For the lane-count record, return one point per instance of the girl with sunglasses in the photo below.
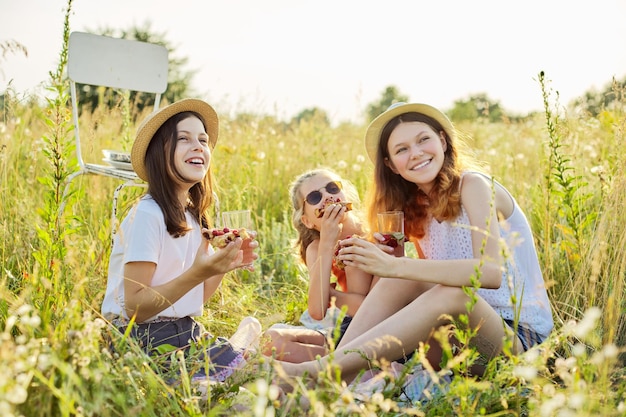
(469, 232)
(321, 218)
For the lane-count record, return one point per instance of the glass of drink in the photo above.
(237, 219)
(391, 226)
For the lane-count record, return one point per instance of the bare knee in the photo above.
(451, 299)
(273, 341)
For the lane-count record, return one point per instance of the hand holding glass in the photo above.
(391, 226)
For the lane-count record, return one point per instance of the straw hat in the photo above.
(372, 135)
(154, 121)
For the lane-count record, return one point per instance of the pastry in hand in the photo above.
(319, 212)
(220, 238)
(338, 262)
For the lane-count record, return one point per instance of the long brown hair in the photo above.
(390, 191)
(162, 173)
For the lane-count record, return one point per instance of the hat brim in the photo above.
(374, 130)
(155, 120)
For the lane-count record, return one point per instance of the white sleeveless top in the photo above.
(522, 276)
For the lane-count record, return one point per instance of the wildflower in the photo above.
(608, 352)
(590, 150)
(360, 159)
(576, 401)
(578, 350)
(342, 164)
(23, 310)
(551, 405)
(527, 373)
(17, 395)
(588, 323)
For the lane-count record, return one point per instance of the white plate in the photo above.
(127, 166)
(117, 156)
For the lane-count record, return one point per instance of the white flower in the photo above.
(23, 310)
(588, 323)
(610, 351)
(550, 406)
(576, 401)
(527, 373)
(17, 395)
(579, 350)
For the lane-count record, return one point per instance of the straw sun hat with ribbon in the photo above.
(374, 130)
(154, 121)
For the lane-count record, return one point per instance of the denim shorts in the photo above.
(182, 333)
(528, 337)
(332, 332)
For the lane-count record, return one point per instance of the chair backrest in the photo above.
(116, 63)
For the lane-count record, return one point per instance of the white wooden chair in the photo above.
(120, 64)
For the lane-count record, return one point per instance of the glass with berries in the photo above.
(239, 223)
(391, 226)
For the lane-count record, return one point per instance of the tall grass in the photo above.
(566, 170)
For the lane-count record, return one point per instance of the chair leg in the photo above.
(129, 183)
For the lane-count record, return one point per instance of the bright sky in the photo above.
(282, 56)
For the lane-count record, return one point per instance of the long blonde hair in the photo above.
(306, 235)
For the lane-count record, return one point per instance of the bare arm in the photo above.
(145, 301)
(247, 247)
(319, 260)
(476, 194)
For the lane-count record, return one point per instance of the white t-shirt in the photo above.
(452, 239)
(143, 237)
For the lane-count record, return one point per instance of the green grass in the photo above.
(567, 172)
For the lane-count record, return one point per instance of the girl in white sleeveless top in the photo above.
(461, 222)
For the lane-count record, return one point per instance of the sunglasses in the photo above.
(314, 197)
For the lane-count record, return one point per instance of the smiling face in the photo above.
(192, 154)
(417, 153)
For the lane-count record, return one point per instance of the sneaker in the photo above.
(247, 336)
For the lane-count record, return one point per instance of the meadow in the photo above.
(565, 169)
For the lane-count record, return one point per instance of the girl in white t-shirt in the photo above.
(162, 270)
(458, 220)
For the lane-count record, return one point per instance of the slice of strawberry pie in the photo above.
(319, 212)
(220, 238)
(338, 262)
